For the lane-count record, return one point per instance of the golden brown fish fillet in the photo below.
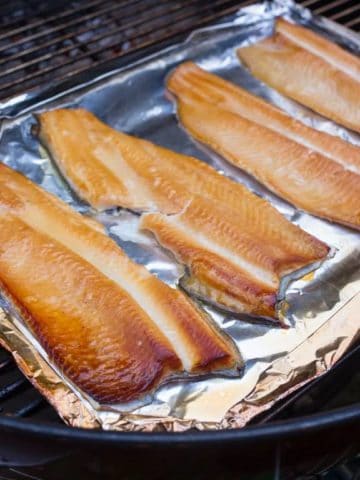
(310, 69)
(225, 265)
(190, 80)
(114, 329)
(305, 178)
(169, 181)
(320, 46)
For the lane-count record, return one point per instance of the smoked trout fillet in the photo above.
(261, 245)
(310, 69)
(225, 264)
(314, 171)
(111, 327)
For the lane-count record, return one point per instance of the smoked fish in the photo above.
(116, 331)
(172, 187)
(309, 69)
(312, 170)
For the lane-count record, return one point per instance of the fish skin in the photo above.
(303, 177)
(114, 329)
(171, 181)
(189, 80)
(306, 75)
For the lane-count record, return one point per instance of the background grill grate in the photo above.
(17, 396)
(45, 42)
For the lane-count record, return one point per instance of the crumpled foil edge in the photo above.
(315, 356)
(298, 365)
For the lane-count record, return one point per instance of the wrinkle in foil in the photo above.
(322, 305)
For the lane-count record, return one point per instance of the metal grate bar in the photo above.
(90, 33)
(309, 3)
(92, 40)
(354, 23)
(77, 33)
(328, 7)
(348, 11)
(11, 388)
(4, 363)
(35, 36)
(44, 21)
(161, 36)
(29, 408)
(17, 397)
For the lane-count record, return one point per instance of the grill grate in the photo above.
(46, 42)
(17, 396)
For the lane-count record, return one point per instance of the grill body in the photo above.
(294, 439)
(44, 43)
(294, 448)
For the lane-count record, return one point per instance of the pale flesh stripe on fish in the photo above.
(174, 179)
(220, 236)
(88, 165)
(215, 273)
(307, 179)
(320, 46)
(189, 81)
(251, 213)
(191, 335)
(219, 231)
(88, 326)
(171, 192)
(171, 179)
(306, 78)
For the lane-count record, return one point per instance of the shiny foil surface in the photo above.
(320, 309)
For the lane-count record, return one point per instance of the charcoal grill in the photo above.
(45, 43)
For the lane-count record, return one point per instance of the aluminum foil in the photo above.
(322, 316)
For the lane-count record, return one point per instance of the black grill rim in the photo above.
(273, 431)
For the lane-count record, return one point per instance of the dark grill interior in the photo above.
(17, 397)
(44, 42)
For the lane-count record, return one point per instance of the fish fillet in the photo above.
(225, 265)
(189, 80)
(310, 69)
(263, 238)
(256, 142)
(114, 329)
